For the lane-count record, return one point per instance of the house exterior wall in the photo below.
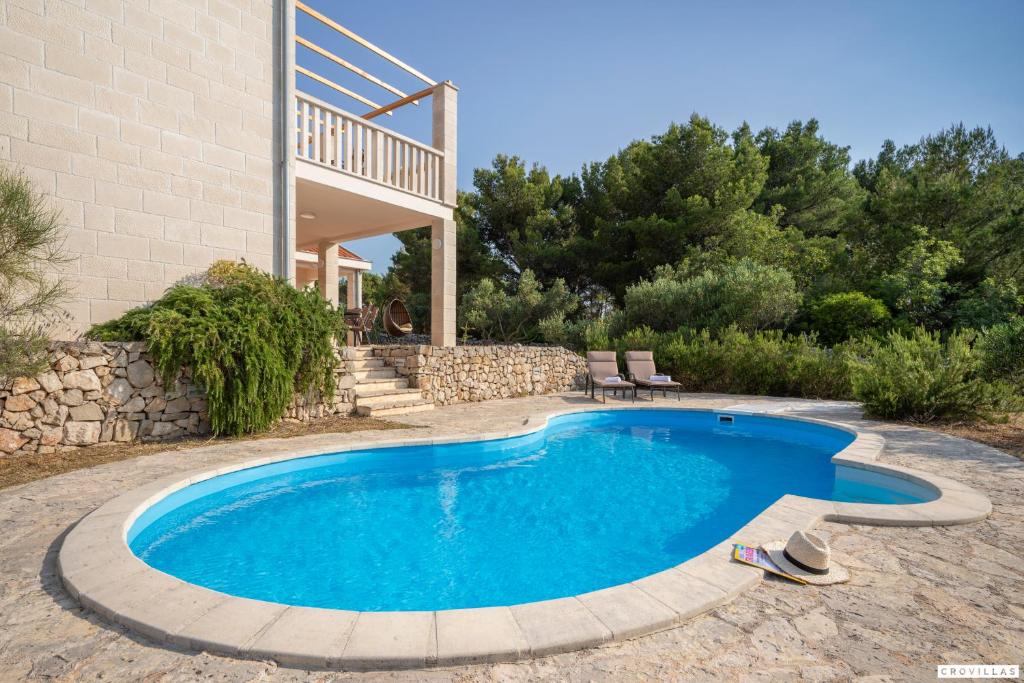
(151, 124)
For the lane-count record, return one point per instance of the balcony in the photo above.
(344, 142)
(355, 178)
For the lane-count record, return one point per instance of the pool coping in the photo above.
(100, 571)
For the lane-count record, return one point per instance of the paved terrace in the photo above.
(918, 596)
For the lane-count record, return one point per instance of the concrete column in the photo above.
(442, 283)
(327, 271)
(445, 136)
(359, 288)
(284, 140)
(351, 290)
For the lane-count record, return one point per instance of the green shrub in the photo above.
(766, 363)
(660, 304)
(920, 377)
(1001, 353)
(641, 339)
(579, 335)
(923, 379)
(249, 339)
(746, 294)
(595, 336)
(838, 317)
(489, 312)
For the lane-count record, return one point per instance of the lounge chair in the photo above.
(360, 322)
(640, 365)
(600, 366)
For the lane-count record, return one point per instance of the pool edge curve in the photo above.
(99, 571)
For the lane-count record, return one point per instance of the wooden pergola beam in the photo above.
(340, 88)
(348, 65)
(327, 21)
(387, 108)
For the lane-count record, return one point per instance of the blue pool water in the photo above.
(596, 499)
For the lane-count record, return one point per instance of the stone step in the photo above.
(371, 385)
(374, 373)
(372, 411)
(388, 398)
(364, 364)
(357, 352)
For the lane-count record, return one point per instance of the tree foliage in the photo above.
(934, 229)
(809, 178)
(31, 289)
(745, 294)
(773, 233)
(518, 316)
(961, 186)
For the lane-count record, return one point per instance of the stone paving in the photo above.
(918, 596)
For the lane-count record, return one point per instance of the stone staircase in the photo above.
(378, 390)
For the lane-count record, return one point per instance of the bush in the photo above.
(838, 317)
(918, 378)
(746, 294)
(642, 339)
(736, 362)
(249, 339)
(923, 379)
(489, 312)
(1001, 353)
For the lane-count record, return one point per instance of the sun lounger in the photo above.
(603, 373)
(640, 365)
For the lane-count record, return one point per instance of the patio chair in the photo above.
(360, 322)
(640, 366)
(397, 321)
(602, 365)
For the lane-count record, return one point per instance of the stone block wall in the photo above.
(150, 124)
(109, 392)
(450, 375)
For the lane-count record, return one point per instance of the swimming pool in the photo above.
(593, 500)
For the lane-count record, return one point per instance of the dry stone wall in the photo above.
(479, 373)
(99, 392)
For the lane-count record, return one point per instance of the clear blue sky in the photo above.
(565, 83)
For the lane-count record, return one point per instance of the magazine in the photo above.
(756, 557)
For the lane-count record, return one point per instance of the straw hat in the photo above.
(807, 557)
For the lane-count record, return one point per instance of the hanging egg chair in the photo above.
(397, 322)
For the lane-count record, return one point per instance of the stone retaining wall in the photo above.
(101, 392)
(479, 373)
(109, 392)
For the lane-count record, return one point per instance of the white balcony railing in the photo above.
(350, 144)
